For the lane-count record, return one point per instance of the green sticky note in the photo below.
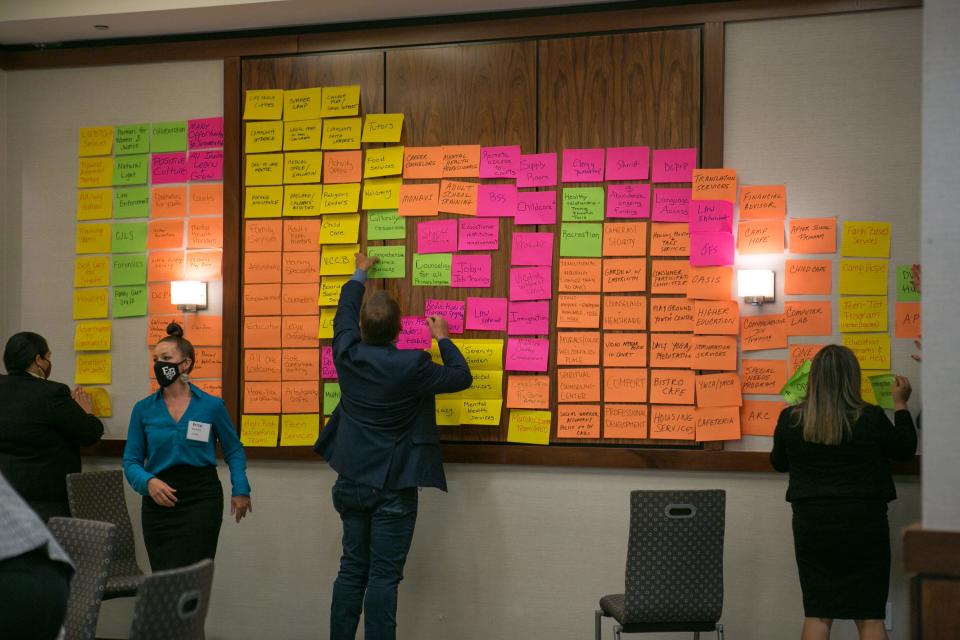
(906, 287)
(168, 136)
(392, 264)
(130, 269)
(796, 388)
(331, 397)
(131, 202)
(584, 240)
(131, 138)
(883, 389)
(129, 237)
(386, 225)
(431, 269)
(582, 204)
(129, 301)
(130, 170)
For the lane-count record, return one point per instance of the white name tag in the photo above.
(199, 431)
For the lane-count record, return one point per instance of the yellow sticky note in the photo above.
(300, 168)
(382, 127)
(448, 411)
(301, 104)
(340, 228)
(338, 259)
(95, 141)
(93, 368)
(340, 198)
(263, 104)
(330, 290)
(386, 161)
(91, 303)
(299, 429)
(482, 354)
(101, 401)
(325, 330)
(341, 133)
(92, 336)
(263, 137)
(863, 314)
(263, 202)
(259, 431)
(95, 172)
(872, 349)
(302, 200)
(264, 169)
(487, 385)
(93, 238)
(529, 427)
(94, 204)
(340, 101)
(381, 193)
(91, 272)
(865, 240)
(302, 134)
(863, 277)
(481, 412)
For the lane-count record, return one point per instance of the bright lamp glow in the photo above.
(188, 295)
(755, 286)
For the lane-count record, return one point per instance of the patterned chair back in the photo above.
(675, 557)
(172, 605)
(90, 545)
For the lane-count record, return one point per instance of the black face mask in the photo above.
(167, 372)
(46, 372)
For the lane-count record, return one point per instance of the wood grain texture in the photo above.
(232, 225)
(711, 147)
(930, 551)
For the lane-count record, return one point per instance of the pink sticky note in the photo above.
(470, 270)
(168, 167)
(437, 236)
(414, 333)
(499, 162)
(452, 310)
(582, 165)
(671, 205)
(487, 314)
(327, 370)
(536, 207)
(530, 283)
(203, 166)
(532, 249)
(527, 354)
(496, 200)
(537, 170)
(528, 318)
(628, 200)
(204, 133)
(711, 215)
(479, 234)
(674, 165)
(628, 163)
(711, 248)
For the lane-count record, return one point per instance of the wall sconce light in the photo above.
(755, 286)
(189, 295)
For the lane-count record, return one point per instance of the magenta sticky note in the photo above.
(204, 133)
(531, 249)
(628, 200)
(528, 318)
(671, 205)
(582, 165)
(530, 283)
(711, 248)
(536, 207)
(479, 234)
(499, 162)
(166, 168)
(470, 270)
(711, 215)
(628, 163)
(452, 310)
(487, 314)
(204, 166)
(414, 333)
(674, 165)
(527, 354)
(327, 370)
(537, 170)
(496, 200)
(437, 236)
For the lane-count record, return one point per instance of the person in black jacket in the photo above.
(42, 426)
(838, 449)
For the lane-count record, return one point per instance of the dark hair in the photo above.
(21, 350)
(175, 336)
(380, 318)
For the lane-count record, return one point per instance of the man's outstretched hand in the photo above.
(363, 262)
(439, 328)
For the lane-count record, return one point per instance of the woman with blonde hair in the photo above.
(837, 449)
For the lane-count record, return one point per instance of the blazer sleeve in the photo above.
(346, 322)
(899, 439)
(74, 425)
(778, 456)
(452, 376)
(233, 453)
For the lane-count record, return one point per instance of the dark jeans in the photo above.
(33, 596)
(377, 531)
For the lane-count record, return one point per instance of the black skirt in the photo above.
(187, 532)
(843, 557)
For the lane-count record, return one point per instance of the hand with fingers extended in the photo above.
(364, 262)
(162, 493)
(84, 399)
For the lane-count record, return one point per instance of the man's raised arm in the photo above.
(346, 323)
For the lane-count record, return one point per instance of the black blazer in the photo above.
(384, 431)
(41, 431)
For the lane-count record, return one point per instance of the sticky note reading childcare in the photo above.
(808, 277)
(714, 184)
(341, 228)
(529, 427)
(865, 240)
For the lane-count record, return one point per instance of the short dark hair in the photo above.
(21, 350)
(380, 318)
(184, 346)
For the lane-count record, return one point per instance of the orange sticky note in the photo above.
(764, 377)
(580, 275)
(716, 317)
(261, 300)
(261, 365)
(764, 332)
(710, 283)
(672, 386)
(164, 234)
(672, 422)
(301, 266)
(578, 311)
(809, 318)
(301, 397)
(301, 364)
(624, 349)
(209, 363)
(261, 332)
(622, 275)
(714, 353)
(458, 197)
(578, 348)
(801, 352)
(300, 299)
(300, 331)
(460, 161)
(625, 421)
(340, 167)
(203, 265)
(671, 350)
(714, 184)
(624, 312)
(206, 199)
(261, 397)
(157, 327)
(204, 330)
(907, 320)
(164, 266)
(205, 233)
(168, 202)
(759, 417)
(808, 277)
(581, 384)
(528, 392)
(717, 423)
(669, 239)
(625, 239)
(760, 236)
(718, 390)
(578, 421)
(758, 203)
(262, 267)
(213, 387)
(158, 301)
(262, 235)
(671, 314)
(301, 235)
(624, 385)
(669, 276)
(813, 235)
(422, 163)
(420, 199)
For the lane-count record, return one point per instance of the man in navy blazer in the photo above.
(382, 440)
